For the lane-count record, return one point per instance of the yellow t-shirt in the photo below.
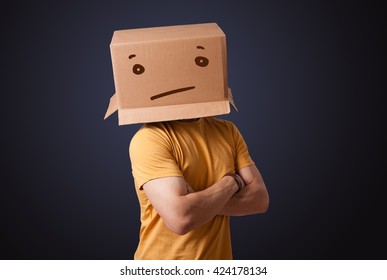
(201, 151)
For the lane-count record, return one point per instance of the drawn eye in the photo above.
(201, 61)
(138, 69)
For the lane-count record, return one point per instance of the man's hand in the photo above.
(189, 188)
(251, 199)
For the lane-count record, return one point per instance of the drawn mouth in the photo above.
(163, 94)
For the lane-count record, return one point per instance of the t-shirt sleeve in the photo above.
(151, 157)
(242, 156)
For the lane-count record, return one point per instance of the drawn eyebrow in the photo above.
(131, 56)
(200, 47)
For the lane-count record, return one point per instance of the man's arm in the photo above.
(182, 210)
(252, 199)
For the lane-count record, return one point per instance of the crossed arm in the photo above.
(183, 210)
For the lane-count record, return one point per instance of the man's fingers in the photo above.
(189, 188)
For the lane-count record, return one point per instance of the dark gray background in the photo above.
(308, 78)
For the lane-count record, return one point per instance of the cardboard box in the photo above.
(169, 73)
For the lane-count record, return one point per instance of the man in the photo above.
(192, 171)
(184, 176)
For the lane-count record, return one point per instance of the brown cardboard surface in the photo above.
(169, 73)
(162, 33)
(112, 106)
(173, 112)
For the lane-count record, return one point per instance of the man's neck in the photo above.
(189, 120)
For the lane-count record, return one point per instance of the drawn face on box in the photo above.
(169, 72)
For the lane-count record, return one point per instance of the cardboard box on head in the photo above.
(169, 73)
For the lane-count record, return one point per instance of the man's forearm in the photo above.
(183, 210)
(250, 200)
(202, 206)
